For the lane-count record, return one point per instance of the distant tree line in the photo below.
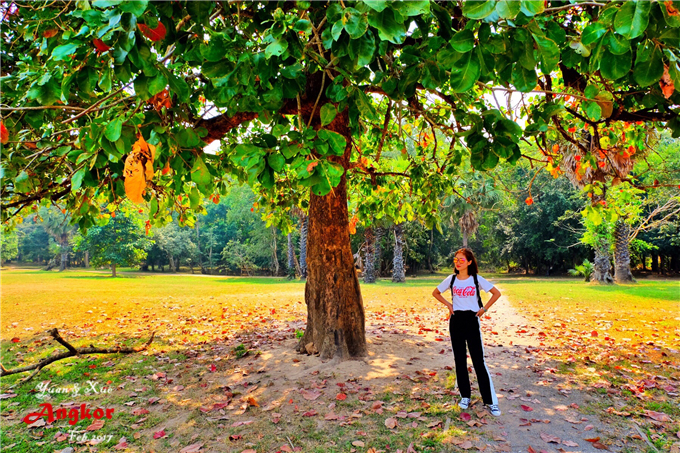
(507, 234)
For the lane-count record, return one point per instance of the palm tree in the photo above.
(57, 225)
(618, 162)
(398, 271)
(474, 194)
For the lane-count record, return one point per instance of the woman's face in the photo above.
(461, 262)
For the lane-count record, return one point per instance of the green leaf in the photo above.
(388, 27)
(336, 141)
(200, 173)
(363, 49)
(614, 67)
(618, 45)
(463, 41)
(276, 161)
(363, 103)
(593, 110)
(194, 198)
(157, 84)
(632, 19)
(465, 72)
(114, 129)
(356, 23)
(532, 7)
(376, 5)
(478, 9)
(592, 33)
(22, 183)
(328, 113)
(550, 53)
(77, 179)
(508, 9)
(179, 87)
(650, 71)
(304, 26)
(523, 79)
(266, 178)
(276, 48)
(412, 7)
(136, 7)
(63, 51)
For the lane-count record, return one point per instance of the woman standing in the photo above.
(466, 308)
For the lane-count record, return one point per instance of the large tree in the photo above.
(114, 99)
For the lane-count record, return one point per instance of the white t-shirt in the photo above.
(464, 295)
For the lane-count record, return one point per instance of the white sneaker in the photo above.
(493, 408)
(464, 403)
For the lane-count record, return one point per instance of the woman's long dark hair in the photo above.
(472, 269)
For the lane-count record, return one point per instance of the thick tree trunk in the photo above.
(379, 233)
(113, 270)
(655, 262)
(369, 264)
(172, 263)
(622, 273)
(602, 267)
(87, 258)
(303, 246)
(335, 309)
(291, 257)
(275, 256)
(398, 272)
(465, 238)
(430, 266)
(64, 253)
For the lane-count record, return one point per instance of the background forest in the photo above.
(516, 219)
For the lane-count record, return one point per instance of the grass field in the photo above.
(637, 326)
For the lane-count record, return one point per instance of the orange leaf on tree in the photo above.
(672, 11)
(50, 33)
(311, 166)
(4, 134)
(154, 34)
(99, 44)
(529, 201)
(666, 83)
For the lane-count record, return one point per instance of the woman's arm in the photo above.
(495, 294)
(438, 295)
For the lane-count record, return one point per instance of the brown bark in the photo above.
(113, 269)
(335, 309)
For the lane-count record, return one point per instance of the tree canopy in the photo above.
(81, 81)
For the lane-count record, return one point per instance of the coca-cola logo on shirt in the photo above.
(464, 292)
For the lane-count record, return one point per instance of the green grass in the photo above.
(190, 311)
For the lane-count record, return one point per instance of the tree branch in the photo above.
(384, 133)
(72, 351)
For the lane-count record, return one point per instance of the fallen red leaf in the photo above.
(341, 397)
(154, 34)
(465, 416)
(96, 425)
(15, 340)
(527, 408)
(159, 434)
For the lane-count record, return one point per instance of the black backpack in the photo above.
(479, 297)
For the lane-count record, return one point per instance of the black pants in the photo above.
(464, 328)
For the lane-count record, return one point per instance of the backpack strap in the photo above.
(479, 296)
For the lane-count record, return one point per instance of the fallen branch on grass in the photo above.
(72, 351)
